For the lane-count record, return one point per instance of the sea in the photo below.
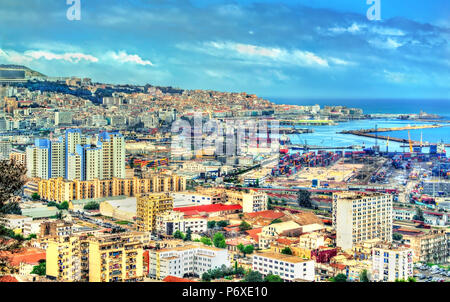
(329, 136)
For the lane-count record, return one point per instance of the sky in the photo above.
(287, 49)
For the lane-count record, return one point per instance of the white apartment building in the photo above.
(113, 155)
(189, 259)
(389, 263)
(57, 159)
(169, 222)
(73, 166)
(311, 241)
(288, 267)
(189, 199)
(403, 214)
(15, 222)
(361, 216)
(272, 231)
(63, 118)
(38, 157)
(31, 227)
(254, 202)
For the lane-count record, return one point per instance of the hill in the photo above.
(28, 72)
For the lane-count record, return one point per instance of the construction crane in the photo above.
(410, 143)
(420, 139)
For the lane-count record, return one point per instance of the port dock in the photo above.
(373, 133)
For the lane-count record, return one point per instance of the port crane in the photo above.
(410, 143)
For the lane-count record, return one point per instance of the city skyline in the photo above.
(289, 49)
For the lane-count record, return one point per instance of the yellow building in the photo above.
(60, 190)
(115, 258)
(99, 258)
(149, 206)
(63, 261)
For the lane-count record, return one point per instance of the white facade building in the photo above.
(389, 264)
(361, 216)
(170, 222)
(254, 202)
(15, 222)
(31, 227)
(288, 267)
(190, 259)
(189, 199)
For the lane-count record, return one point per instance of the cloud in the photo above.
(337, 61)
(12, 56)
(389, 43)
(31, 55)
(123, 57)
(396, 77)
(72, 57)
(351, 29)
(254, 54)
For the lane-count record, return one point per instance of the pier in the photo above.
(313, 147)
(372, 130)
(373, 133)
(306, 122)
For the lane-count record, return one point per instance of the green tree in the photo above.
(397, 236)
(188, 236)
(35, 196)
(287, 251)
(241, 248)
(31, 236)
(304, 198)
(363, 277)
(219, 240)
(64, 205)
(178, 235)
(411, 279)
(248, 249)
(419, 214)
(244, 226)
(59, 215)
(206, 241)
(223, 223)
(206, 277)
(12, 179)
(253, 276)
(273, 278)
(339, 278)
(211, 224)
(278, 220)
(92, 205)
(39, 269)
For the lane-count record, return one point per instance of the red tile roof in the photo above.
(230, 229)
(29, 255)
(254, 233)
(176, 279)
(8, 279)
(237, 241)
(208, 208)
(286, 241)
(338, 265)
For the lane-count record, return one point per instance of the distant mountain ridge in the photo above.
(28, 71)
